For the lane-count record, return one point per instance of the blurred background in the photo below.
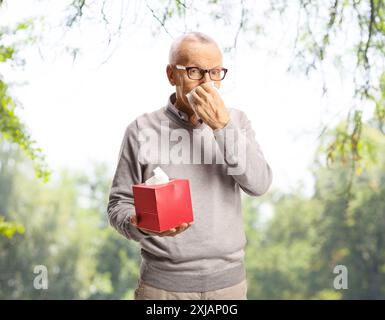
(309, 74)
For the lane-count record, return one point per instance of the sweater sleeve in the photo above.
(244, 157)
(128, 172)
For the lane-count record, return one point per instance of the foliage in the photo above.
(345, 34)
(11, 127)
(293, 255)
(64, 231)
(8, 229)
(290, 254)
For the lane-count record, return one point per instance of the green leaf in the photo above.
(8, 229)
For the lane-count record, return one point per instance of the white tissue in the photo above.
(159, 177)
(189, 97)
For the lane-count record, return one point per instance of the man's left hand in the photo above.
(210, 107)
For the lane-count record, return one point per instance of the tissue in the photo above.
(159, 177)
(189, 97)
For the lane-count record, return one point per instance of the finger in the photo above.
(196, 97)
(168, 232)
(183, 227)
(133, 220)
(177, 232)
(173, 232)
(208, 87)
(201, 92)
(202, 112)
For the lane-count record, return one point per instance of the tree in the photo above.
(320, 28)
(293, 255)
(66, 232)
(290, 256)
(354, 220)
(11, 127)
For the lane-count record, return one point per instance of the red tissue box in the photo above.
(163, 206)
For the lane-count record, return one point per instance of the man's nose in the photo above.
(206, 77)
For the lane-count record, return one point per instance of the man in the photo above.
(203, 260)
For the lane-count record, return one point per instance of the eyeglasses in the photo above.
(195, 73)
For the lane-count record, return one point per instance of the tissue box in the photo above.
(163, 206)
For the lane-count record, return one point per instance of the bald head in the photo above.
(188, 43)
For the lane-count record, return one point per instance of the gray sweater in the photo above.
(210, 254)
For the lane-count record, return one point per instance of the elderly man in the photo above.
(203, 260)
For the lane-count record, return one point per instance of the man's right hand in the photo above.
(168, 233)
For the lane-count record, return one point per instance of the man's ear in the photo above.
(170, 74)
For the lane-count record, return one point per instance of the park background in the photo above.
(310, 76)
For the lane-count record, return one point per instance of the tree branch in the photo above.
(78, 4)
(163, 20)
(370, 32)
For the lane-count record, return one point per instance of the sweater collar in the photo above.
(179, 113)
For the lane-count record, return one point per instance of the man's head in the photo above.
(193, 49)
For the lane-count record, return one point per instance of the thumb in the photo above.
(194, 118)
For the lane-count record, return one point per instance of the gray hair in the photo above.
(190, 36)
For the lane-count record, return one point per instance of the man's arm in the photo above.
(121, 200)
(121, 209)
(244, 157)
(239, 148)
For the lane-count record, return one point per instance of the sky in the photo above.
(78, 110)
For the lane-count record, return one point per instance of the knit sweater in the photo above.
(218, 164)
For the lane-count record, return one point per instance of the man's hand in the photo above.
(210, 107)
(168, 233)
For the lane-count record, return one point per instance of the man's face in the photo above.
(193, 54)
